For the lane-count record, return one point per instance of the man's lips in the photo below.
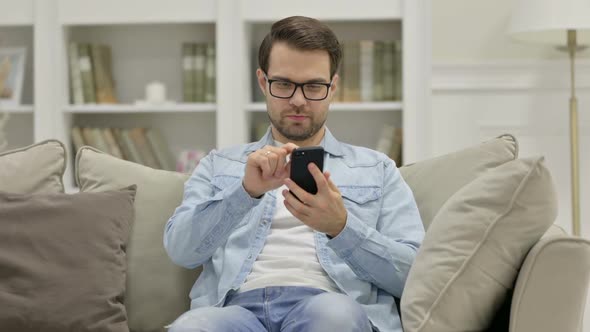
(297, 117)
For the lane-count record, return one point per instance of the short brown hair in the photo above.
(302, 33)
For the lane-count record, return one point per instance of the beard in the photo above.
(297, 132)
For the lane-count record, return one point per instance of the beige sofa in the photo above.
(491, 260)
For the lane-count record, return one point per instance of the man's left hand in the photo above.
(324, 211)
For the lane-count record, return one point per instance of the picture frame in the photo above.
(12, 72)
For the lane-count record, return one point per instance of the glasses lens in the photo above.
(282, 89)
(315, 91)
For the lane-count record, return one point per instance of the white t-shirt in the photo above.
(288, 257)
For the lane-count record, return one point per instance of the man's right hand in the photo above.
(267, 168)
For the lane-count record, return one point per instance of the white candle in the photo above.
(155, 93)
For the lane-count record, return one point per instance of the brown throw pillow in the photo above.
(63, 261)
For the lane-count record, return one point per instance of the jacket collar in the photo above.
(329, 143)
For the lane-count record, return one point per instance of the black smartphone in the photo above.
(300, 174)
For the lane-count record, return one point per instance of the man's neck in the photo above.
(312, 141)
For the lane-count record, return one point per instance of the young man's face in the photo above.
(297, 119)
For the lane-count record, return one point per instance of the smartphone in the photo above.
(300, 174)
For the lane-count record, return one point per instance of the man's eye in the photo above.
(314, 87)
(284, 85)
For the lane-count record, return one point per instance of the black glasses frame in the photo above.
(299, 85)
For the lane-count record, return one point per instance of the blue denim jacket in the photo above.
(218, 225)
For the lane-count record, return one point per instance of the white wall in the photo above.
(476, 30)
(485, 84)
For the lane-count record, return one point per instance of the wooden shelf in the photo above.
(385, 106)
(130, 108)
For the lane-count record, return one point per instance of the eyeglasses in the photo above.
(286, 89)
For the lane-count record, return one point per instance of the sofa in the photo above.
(492, 259)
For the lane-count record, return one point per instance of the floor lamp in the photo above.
(565, 24)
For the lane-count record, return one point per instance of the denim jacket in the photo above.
(218, 225)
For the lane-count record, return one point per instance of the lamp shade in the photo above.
(546, 21)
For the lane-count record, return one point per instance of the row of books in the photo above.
(91, 74)
(198, 72)
(371, 70)
(391, 142)
(144, 146)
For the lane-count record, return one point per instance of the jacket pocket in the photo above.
(363, 202)
(360, 194)
(221, 182)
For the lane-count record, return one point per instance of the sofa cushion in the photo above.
(434, 180)
(474, 247)
(62, 261)
(157, 290)
(37, 168)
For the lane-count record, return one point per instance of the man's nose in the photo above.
(298, 99)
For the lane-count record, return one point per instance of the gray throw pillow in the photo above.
(62, 261)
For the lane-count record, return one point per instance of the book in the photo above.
(199, 72)
(351, 70)
(378, 70)
(77, 139)
(125, 151)
(188, 85)
(76, 90)
(102, 74)
(86, 73)
(140, 142)
(388, 70)
(113, 146)
(396, 152)
(134, 155)
(366, 68)
(210, 71)
(161, 149)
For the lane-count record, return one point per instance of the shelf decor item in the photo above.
(564, 24)
(12, 69)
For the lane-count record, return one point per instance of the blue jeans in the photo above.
(274, 309)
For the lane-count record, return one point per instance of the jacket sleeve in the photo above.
(206, 216)
(384, 255)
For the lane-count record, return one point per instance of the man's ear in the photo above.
(334, 87)
(261, 80)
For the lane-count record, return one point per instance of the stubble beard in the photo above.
(296, 132)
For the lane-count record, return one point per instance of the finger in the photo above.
(289, 147)
(280, 166)
(303, 195)
(300, 209)
(264, 166)
(278, 157)
(318, 176)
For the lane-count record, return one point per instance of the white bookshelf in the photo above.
(16, 31)
(145, 39)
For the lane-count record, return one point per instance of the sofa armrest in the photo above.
(550, 291)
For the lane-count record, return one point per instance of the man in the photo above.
(270, 261)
